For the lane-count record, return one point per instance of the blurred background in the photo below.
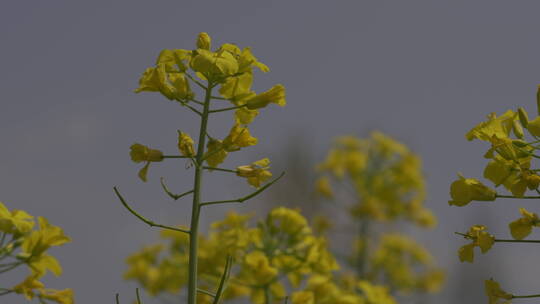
(424, 72)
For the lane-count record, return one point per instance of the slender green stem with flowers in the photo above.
(231, 69)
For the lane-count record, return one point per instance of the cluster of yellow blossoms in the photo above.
(513, 140)
(25, 244)
(230, 68)
(277, 252)
(196, 262)
(384, 181)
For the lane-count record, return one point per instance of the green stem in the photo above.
(527, 296)
(227, 109)
(196, 208)
(13, 266)
(172, 195)
(362, 253)
(511, 196)
(245, 198)
(516, 241)
(5, 292)
(175, 156)
(142, 218)
(219, 98)
(219, 169)
(267, 295)
(138, 296)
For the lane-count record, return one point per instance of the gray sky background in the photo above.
(422, 71)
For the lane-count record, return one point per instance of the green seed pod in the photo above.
(519, 143)
(518, 130)
(523, 117)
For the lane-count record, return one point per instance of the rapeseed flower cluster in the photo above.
(280, 251)
(513, 141)
(26, 244)
(211, 81)
(380, 181)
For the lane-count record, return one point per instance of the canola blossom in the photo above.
(513, 144)
(23, 243)
(385, 181)
(207, 81)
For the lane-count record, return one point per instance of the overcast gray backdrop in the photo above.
(422, 71)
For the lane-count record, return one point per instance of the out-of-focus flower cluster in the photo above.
(384, 175)
(379, 181)
(279, 253)
(23, 243)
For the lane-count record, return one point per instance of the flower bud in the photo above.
(204, 41)
(523, 117)
(517, 129)
(185, 144)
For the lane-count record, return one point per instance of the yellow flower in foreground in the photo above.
(480, 238)
(522, 227)
(215, 153)
(534, 126)
(64, 296)
(465, 190)
(27, 287)
(140, 153)
(215, 66)
(185, 144)
(499, 127)
(275, 95)
(16, 221)
(239, 137)
(496, 294)
(256, 173)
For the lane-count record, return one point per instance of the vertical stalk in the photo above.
(363, 253)
(195, 211)
(267, 295)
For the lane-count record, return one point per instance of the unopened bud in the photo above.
(518, 130)
(523, 117)
(203, 41)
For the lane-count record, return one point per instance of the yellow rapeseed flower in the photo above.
(239, 137)
(480, 238)
(496, 294)
(522, 227)
(275, 95)
(256, 173)
(185, 144)
(465, 190)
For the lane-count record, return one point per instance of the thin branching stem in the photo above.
(220, 169)
(245, 198)
(526, 296)
(223, 280)
(147, 221)
(195, 81)
(175, 156)
(511, 196)
(172, 195)
(227, 109)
